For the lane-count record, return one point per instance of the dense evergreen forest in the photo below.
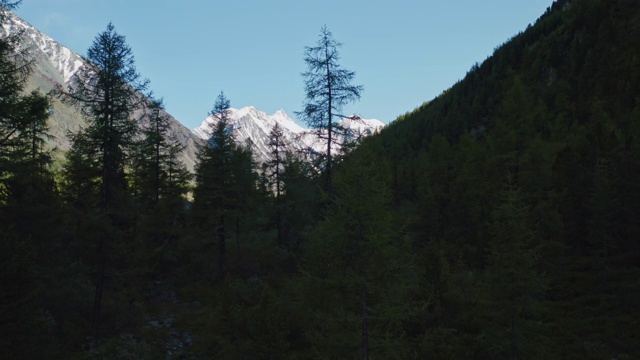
(501, 220)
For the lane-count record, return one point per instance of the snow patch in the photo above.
(252, 125)
(65, 61)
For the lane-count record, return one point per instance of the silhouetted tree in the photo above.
(27, 201)
(159, 172)
(107, 91)
(160, 183)
(275, 166)
(213, 193)
(327, 89)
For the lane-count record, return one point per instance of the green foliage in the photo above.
(28, 210)
(357, 272)
(108, 103)
(214, 176)
(225, 184)
(548, 110)
(498, 220)
(512, 287)
(273, 173)
(98, 161)
(124, 347)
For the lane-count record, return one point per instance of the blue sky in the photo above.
(404, 52)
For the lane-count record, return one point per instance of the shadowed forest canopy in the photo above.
(496, 221)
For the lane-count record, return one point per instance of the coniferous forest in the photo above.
(500, 220)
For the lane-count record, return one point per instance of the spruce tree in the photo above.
(327, 89)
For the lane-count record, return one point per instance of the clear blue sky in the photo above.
(404, 52)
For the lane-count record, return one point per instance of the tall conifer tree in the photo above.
(327, 89)
(212, 195)
(275, 167)
(108, 91)
(160, 183)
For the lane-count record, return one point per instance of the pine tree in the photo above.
(107, 91)
(327, 89)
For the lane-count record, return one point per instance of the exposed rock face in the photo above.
(54, 65)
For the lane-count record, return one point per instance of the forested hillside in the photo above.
(496, 221)
(521, 188)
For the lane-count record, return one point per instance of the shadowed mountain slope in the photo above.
(520, 186)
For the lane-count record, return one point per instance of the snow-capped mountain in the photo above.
(64, 61)
(253, 126)
(55, 65)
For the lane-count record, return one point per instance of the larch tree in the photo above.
(213, 197)
(300, 200)
(275, 166)
(328, 87)
(513, 288)
(160, 182)
(28, 202)
(159, 171)
(358, 272)
(108, 91)
(26, 182)
(22, 117)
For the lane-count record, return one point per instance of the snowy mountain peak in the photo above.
(53, 66)
(65, 61)
(362, 126)
(252, 125)
(282, 113)
(56, 65)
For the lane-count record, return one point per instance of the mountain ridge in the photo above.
(54, 65)
(253, 125)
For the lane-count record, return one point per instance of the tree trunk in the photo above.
(278, 226)
(222, 249)
(329, 125)
(106, 203)
(514, 348)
